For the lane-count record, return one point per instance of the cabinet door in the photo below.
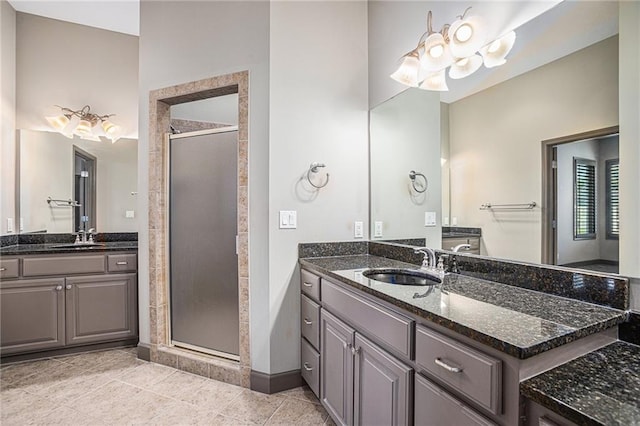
(336, 372)
(382, 387)
(32, 315)
(434, 406)
(101, 308)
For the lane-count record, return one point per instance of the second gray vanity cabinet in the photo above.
(382, 387)
(32, 315)
(310, 321)
(336, 368)
(101, 308)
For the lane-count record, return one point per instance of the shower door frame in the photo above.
(167, 139)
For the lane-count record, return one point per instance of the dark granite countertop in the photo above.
(599, 388)
(51, 248)
(459, 235)
(517, 321)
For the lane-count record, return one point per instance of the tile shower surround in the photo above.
(576, 284)
(161, 352)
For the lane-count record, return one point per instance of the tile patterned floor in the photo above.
(115, 388)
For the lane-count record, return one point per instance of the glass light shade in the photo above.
(109, 128)
(466, 36)
(407, 74)
(58, 122)
(435, 81)
(436, 55)
(465, 67)
(495, 52)
(83, 128)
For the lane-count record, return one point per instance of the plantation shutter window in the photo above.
(584, 198)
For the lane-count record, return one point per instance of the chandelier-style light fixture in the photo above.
(462, 47)
(83, 124)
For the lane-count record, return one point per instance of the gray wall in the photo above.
(186, 41)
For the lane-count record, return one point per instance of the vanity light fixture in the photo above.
(462, 47)
(83, 122)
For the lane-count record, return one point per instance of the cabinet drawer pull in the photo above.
(307, 366)
(69, 287)
(121, 263)
(306, 321)
(307, 284)
(58, 287)
(3, 269)
(447, 367)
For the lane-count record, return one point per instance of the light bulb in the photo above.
(436, 51)
(464, 33)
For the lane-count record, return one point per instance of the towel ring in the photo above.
(412, 176)
(313, 168)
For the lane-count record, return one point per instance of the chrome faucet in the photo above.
(81, 236)
(460, 247)
(429, 260)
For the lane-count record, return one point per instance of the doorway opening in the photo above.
(84, 190)
(580, 226)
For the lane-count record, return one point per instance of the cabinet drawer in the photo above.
(9, 268)
(434, 406)
(310, 284)
(387, 326)
(310, 321)
(122, 262)
(472, 373)
(38, 266)
(310, 366)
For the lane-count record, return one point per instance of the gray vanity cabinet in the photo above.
(336, 371)
(60, 301)
(382, 386)
(361, 384)
(101, 307)
(32, 315)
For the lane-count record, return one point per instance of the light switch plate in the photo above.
(429, 218)
(454, 221)
(9, 225)
(445, 221)
(288, 219)
(130, 214)
(358, 229)
(377, 229)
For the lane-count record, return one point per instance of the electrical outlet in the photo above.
(9, 225)
(358, 229)
(454, 221)
(445, 221)
(130, 214)
(377, 229)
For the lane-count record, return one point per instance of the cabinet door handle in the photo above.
(447, 367)
(306, 321)
(307, 366)
(121, 263)
(69, 286)
(307, 284)
(58, 287)
(3, 269)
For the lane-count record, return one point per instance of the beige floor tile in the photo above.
(178, 385)
(20, 408)
(253, 407)
(213, 394)
(141, 408)
(108, 400)
(146, 375)
(66, 416)
(40, 382)
(303, 393)
(16, 372)
(88, 360)
(68, 390)
(182, 413)
(120, 364)
(296, 412)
